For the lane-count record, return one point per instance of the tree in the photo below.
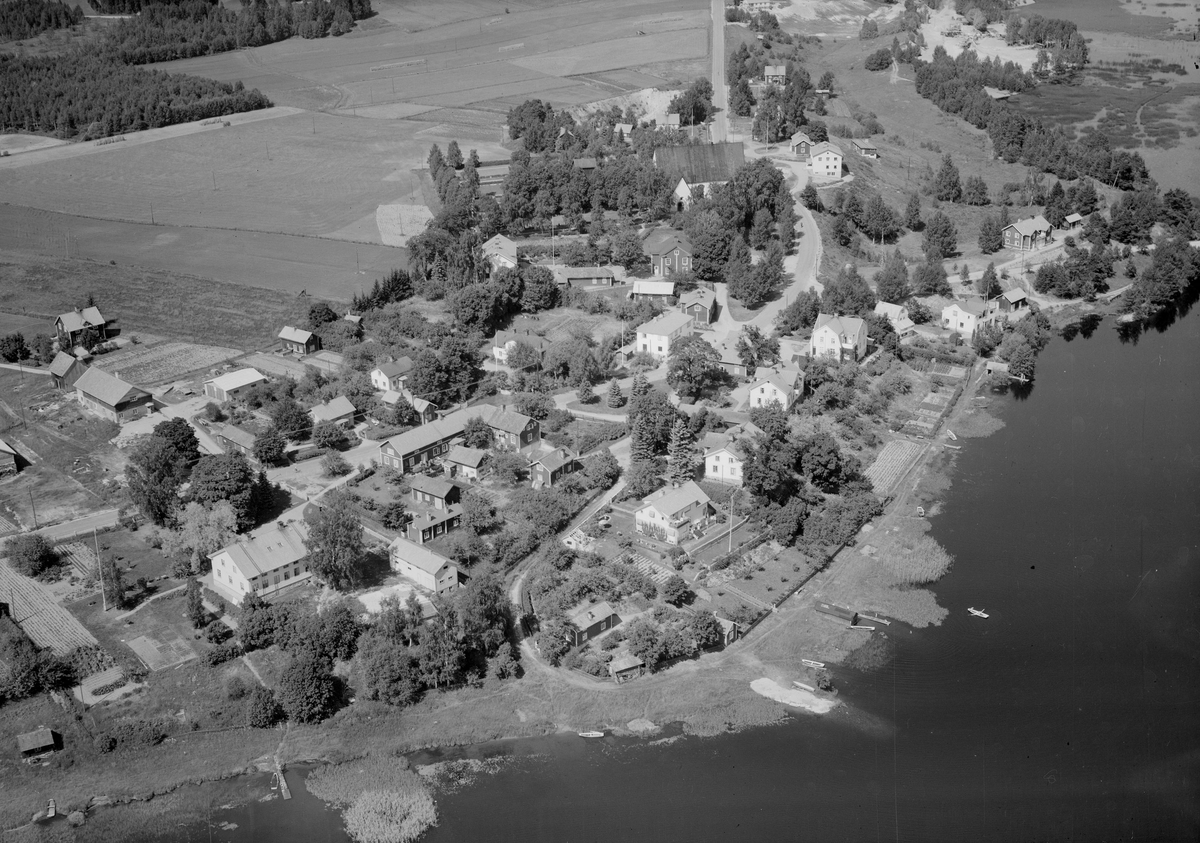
(228, 477)
(800, 314)
(912, 213)
(755, 349)
(477, 434)
(946, 185)
(320, 313)
(811, 199)
(388, 671)
(602, 469)
(328, 435)
(333, 464)
(394, 514)
(705, 630)
(335, 542)
(197, 615)
(878, 221)
(293, 421)
(627, 250)
(975, 191)
(929, 279)
(848, 295)
(507, 467)
(112, 582)
(12, 348)
(760, 228)
(478, 512)
(30, 554)
(675, 590)
(991, 238)
(826, 82)
(681, 462)
(644, 477)
(584, 392)
(154, 473)
(639, 387)
(940, 239)
(741, 98)
(307, 689)
(710, 238)
(615, 398)
(693, 367)
(891, 284)
(540, 291)
(989, 284)
(822, 462)
(183, 440)
(203, 530)
(270, 446)
(869, 30)
(766, 278)
(694, 104)
(262, 709)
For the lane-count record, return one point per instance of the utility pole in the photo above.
(152, 212)
(100, 570)
(214, 175)
(731, 498)
(34, 508)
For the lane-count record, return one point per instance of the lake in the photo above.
(1069, 714)
(1105, 15)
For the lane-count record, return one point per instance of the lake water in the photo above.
(1069, 714)
(1105, 15)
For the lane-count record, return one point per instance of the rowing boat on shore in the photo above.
(979, 613)
(811, 663)
(591, 734)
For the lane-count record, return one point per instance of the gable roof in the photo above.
(973, 306)
(702, 296)
(509, 421)
(61, 365)
(572, 272)
(502, 246)
(103, 387)
(1030, 225)
(556, 459)
(891, 311)
(503, 338)
(436, 486)
(782, 379)
(238, 379)
(584, 163)
(1071, 219)
(421, 405)
(701, 163)
(269, 548)
(663, 241)
(775, 70)
(335, 408)
(77, 320)
(825, 146)
(848, 326)
(237, 435)
(7, 449)
(418, 556)
(37, 739)
(299, 335)
(589, 613)
(648, 287)
(1014, 295)
(395, 368)
(462, 455)
(800, 136)
(665, 324)
(625, 662)
(670, 501)
(863, 143)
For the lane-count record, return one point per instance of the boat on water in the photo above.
(811, 663)
(591, 734)
(979, 613)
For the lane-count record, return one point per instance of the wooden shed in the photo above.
(38, 742)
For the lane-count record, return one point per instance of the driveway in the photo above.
(720, 123)
(308, 478)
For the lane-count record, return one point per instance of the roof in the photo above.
(269, 548)
(972, 306)
(299, 335)
(509, 421)
(555, 459)
(418, 556)
(424, 516)
(670, 501)
(782, 379)
(570, 272)
(37, 739)
(584, 163)
(701, 163)
(667, 323)
(626, 662)
(891, 311)
(503, 338)
(864, 143)
(727, 625)
(589, 613)
(775, 70)
(1014, 295)
(1074, 218)
(672, 120)
(238, 379)
(77, 320)
(462, 455)
(1030, 225)
(435, 486)
(702, 296)
(645, 287)
(663, 241)
(62, 363)
(107, 389)
(842, 325)
(502, 246)
(421, 405)
(623, 127)
(237, 435)
(800, 136)
(333, 409)
(5, 448)
(825, 146)
(395, 368)
(453, 424)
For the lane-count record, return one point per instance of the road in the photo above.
(720, 123)
(98, 521)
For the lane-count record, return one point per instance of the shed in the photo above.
(8, 459)
(39, 741)
(626, 667)
(837, 611)
(465, 462)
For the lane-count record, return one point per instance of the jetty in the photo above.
(284, 791)
(872, 618)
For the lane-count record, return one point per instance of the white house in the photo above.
(843, 337)
(233, 384)
(502, 252)
(391, 375)
(964, 317)
(674, 513)
(825, 161)
(427, 568)
(655, 337)
(777, 384)
(775, 74)
(897, 314)
(505, 341)
(264, 560)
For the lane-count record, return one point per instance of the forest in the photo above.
(27, 18)
(86, 95)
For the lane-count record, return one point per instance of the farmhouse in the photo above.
(825, 161)
(897, 314)
(655, 337)
(701, 305)
(800, 144)
(38, 742)
(700, 167)
(424, 567)
(265, 560)
(298, 341)
(425, 525)
(8, 459)
(111, 398)
(843, 337)
(589, 620)
(669, 251)
(65, 369)
(672, 514)
(232, 384)
(775, 74)
(502, 252)
(1030, 233)
(75, 326)
(232, 438)
(645, 289)
(865, 148)
(338, 410)
(465, 462)
(429, 441)
(730, 360)
(433, 491)
(584, 276)
(512, 429)
(723, 459)
(964, 317)
(552, 467)
(391, 375)
(776, 384)
(505, 342)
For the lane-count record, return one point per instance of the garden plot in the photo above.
(399, 222)
(158, 653)
(165, 362)
(891, 464)
(45, 622)
(81, 557)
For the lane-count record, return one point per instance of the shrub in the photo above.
(30, 553)
(379, 816)
(223, 653)
(879, 60)
(334, 464)
(262, 710)
(236, 687)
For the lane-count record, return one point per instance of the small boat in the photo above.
(920, 512)
(51, 810)
(591, 734)
(811, 663)
(950, 433)
(979, 613)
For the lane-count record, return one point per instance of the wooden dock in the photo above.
(283, 785)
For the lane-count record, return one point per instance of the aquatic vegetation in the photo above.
(388, 802)
(918, 562)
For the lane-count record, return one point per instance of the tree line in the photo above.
(26, 18)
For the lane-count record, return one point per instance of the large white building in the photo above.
(264, 560)
(232, 384)
(673, 515)
(655, 337)
(825, 161)
(424, 567)
(964, 317)
(776, 384)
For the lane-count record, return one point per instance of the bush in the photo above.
(236, 687)
(334, 465)
(223, 653)
(879, 60)
(30, 554)
(262, 710)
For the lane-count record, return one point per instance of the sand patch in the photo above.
(647, 104)
(399, 222)
(792, 696)
(642, 726)
(986, 45)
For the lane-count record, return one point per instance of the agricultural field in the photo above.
(148, 365)
(45, 622)
(891, 463)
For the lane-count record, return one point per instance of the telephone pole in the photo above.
(100, 570)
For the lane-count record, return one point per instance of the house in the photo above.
(626, 667)
(723, 460)
(1029, 233)
(491, 178)
(673, 122)
(425, 525)
(264, 560)
(729, 631)
(700, 304)
(865, 148)
(699, 167)
(776, 384)
(338, 410)
(427, 568)
(8, 459)
(655, 337)
(298, 341)
(232, 384)
(775, 74)
(511, 429)
(825, 161)
(433, 491)
(623, 131)
(590, 620)
(964, 317)
(38, 742)
(391, 375)
(897, 314)
(111, 398)
(465, 462)
(1014, 300)
(843, 337)
(426, 410)
(1073, 220)
(430, 441)
(793, 350)
(800, 144)
(73, 326)
(584, 164)
(502, 252)
(65, 369)
(730, 360)
(674, 513)
(353, 318)
(553, 466)
(584, 276)
(649, 290)
(232, 438)
(505, 341)
(669, 251)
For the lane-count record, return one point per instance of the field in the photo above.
(147, 365)
(891, 464)
(46, 622)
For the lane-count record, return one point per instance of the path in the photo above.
(150, 600)
(17, 367)
(80, 526)
(720, 123)
(246, 661)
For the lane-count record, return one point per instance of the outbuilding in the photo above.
(232, 384)
(111, 398)
(39, 742)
